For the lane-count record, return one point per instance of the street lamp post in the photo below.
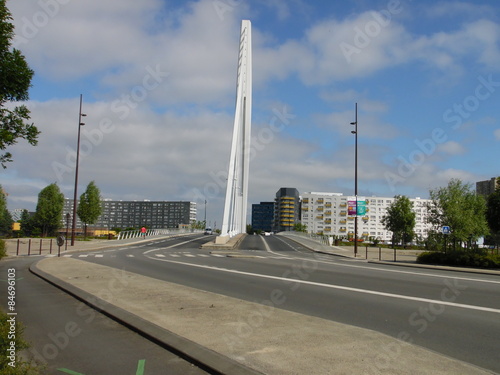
(80, 124)
(355, 132)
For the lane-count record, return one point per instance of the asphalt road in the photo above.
(68, 337)
(456, 314)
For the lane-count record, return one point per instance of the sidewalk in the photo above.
(233, 336)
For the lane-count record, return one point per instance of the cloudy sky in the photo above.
(158, 79)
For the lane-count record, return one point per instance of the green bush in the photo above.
(6, 337)
(460, 258)
(3, 251)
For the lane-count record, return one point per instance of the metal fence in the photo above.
(153, 232)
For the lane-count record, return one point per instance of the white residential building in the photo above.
(328, 213)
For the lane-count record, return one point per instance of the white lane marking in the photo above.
(203, 255)
(83, 255)
(168, 247)
(160, 255)
(130, 256)
(331, 286)
(190, 255)
(392, 270)
(175, 255)
(99, 255)
(67, 256)
(218, 255)
(50, 256)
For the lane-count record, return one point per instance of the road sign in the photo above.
(446, 229)
(60, 240)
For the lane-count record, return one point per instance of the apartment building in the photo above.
(286, 209)
(328, 213)
(263, 216)
(487, 187)
(136, 214)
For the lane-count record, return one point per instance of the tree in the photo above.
(15, 81)
(90, 207)
(27, 224)
(299, 227)
(49, 210)
(5, 216)
(458, 207)
(400, 220)
(493, 214)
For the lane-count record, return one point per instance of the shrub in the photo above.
(3, 252)
(464, 259)
(21, 367)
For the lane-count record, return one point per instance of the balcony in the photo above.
(343, 213)
(343, 205)
(320, 200)
(343, 221)
(328, 213)
(328, 204)
(342, 230)
(320, 208)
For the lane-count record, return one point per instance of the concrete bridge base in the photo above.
(224, 243)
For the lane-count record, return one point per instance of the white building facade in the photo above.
(328, 213)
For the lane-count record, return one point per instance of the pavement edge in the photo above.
(206, 359)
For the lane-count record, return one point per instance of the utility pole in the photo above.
(355, 132)
(75, 196)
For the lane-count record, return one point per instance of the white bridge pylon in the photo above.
(235, 208)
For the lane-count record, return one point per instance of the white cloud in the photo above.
(452, 148)
(497, 134)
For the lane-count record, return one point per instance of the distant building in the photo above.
(136, 214)
(286, 209)
(487, 187)
(16, 214)
(263, 216)
(328, 213)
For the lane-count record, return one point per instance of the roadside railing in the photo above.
(323, 240)
(152, 232)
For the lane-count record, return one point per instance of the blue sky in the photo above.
(158, 80)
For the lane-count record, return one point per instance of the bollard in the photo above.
(380, 253)
(17, 251)
(40, 253)
(50, 246)
(394, 254)
(366, 256)
(29, 247)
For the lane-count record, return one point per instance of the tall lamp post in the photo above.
(355, 132)
(80, 124)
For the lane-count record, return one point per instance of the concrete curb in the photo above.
(206, 359)
(435, 267)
